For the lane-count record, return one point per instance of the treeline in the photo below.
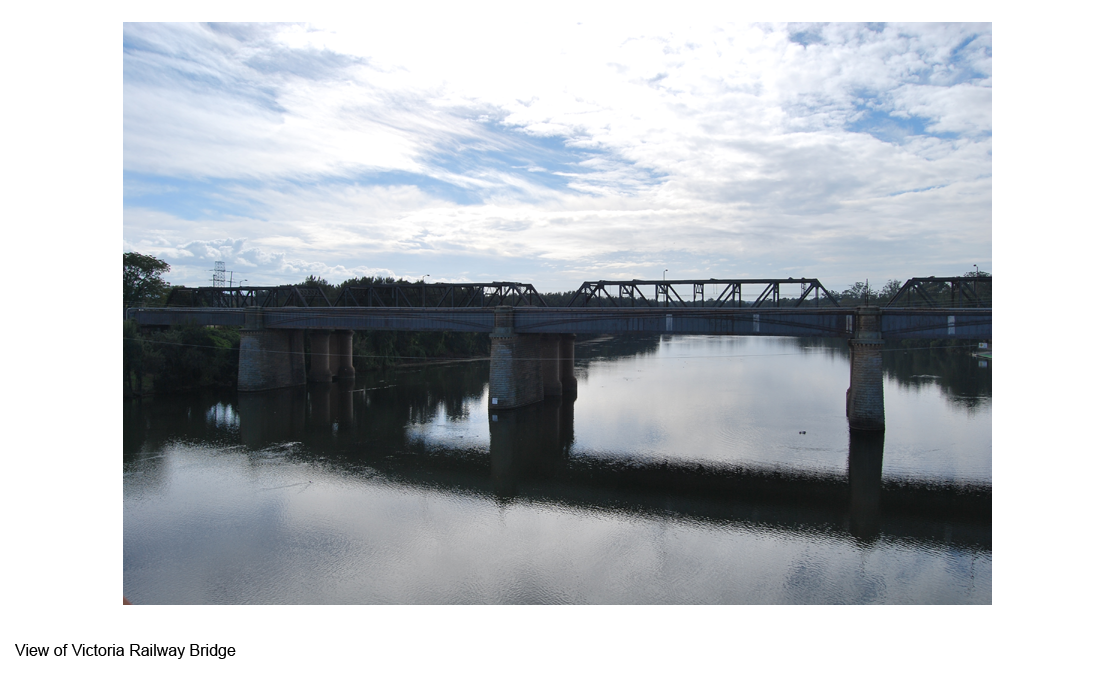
(165, 360)
(175, 359)
(377, 350)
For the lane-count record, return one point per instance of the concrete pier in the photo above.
(331, 355)
(516, 373)
(269, 359)
(341, 354)
(321, 370)
(550, 348)
(565, 366)
(864, 399)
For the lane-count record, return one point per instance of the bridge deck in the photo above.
(957, 323)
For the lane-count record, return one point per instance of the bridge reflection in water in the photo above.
(528, 458)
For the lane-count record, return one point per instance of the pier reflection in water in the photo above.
(427, 434)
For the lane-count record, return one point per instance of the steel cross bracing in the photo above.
(628, 293)
(441, 295)
(945, 292)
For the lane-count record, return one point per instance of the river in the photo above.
(691, 470)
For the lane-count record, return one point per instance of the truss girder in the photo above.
(666, 293)
(944, 292)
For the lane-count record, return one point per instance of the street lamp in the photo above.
(977, 270)
(423, 278)
(664, 275)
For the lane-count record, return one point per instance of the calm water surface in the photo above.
(687, 470)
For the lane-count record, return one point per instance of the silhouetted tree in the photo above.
(143, 283)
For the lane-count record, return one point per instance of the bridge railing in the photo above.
(622, 293)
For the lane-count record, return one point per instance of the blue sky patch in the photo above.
(184, 198)
(534, 159)
(892, 129)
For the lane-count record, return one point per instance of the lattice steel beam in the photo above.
(945, 292)
(666, 293)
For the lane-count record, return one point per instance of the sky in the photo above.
(558, 149)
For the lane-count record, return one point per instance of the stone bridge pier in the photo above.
(527, 368)
(269, 358)
(863, 403)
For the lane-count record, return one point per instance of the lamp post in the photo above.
(977, 270)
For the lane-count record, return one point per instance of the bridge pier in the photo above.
(515, 378)
(565, 366)
(527, 368)
(550, 347)
(341, 354)
(864, 400)
(331, 355)
(321, 370)
(269, 358)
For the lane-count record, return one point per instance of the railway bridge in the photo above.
(532, 343)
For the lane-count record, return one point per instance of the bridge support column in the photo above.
(515, 377)
(565, 366)
(269, 358)
(550, 347)
(341, 354)
(321, 370)
(298, 356)
(864, 399)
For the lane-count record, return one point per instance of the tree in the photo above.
(890, 289)
(143, 283)
(861, 292)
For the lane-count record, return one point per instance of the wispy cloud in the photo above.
(834, 150)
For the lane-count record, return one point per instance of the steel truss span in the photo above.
(727, 293)
(944, 292)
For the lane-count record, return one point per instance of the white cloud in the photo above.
(963, 108)
(694, 136)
